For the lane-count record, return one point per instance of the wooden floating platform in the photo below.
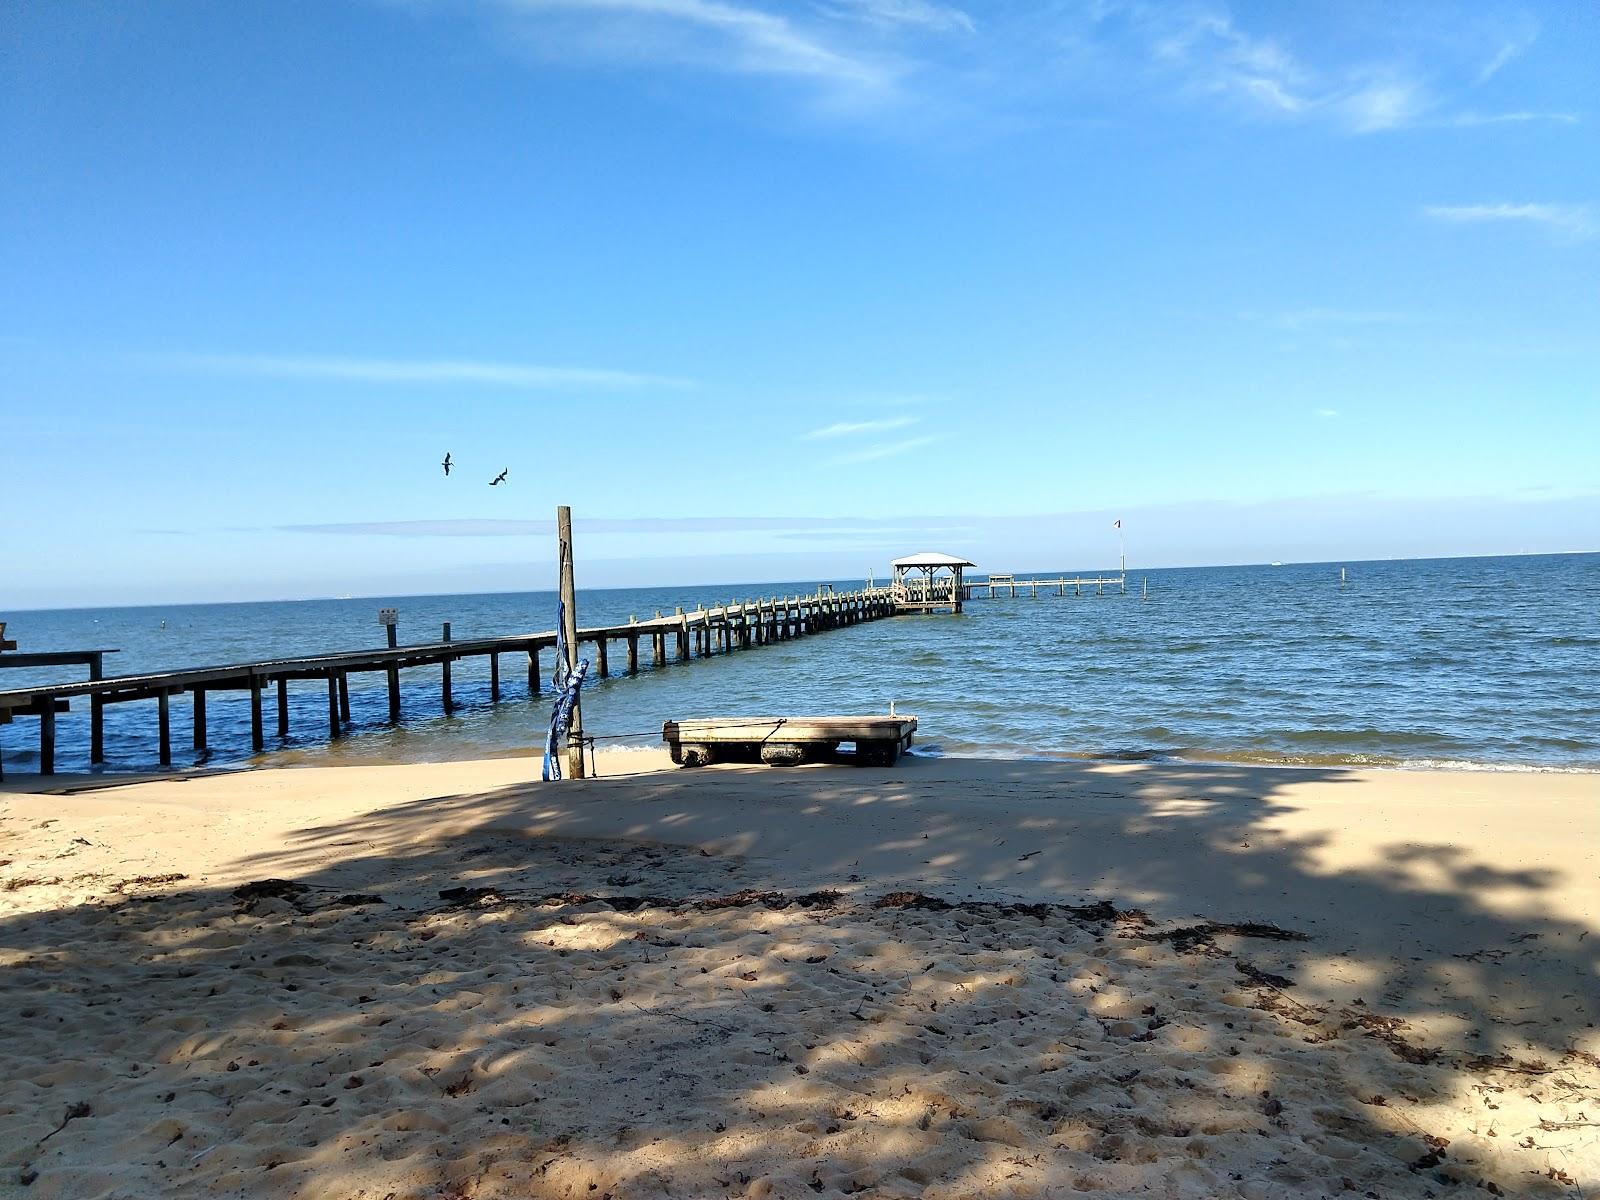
(680, 637)
(785, 741)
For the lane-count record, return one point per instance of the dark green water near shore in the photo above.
(1491, 662)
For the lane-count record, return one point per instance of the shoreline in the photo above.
(427, 977)
(321, 757)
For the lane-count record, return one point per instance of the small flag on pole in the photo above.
(1117, 524)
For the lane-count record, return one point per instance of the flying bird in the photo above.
(500, 478)
(446, 463)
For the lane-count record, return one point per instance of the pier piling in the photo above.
(258, 740)
(47, 740)
(444, 670)
(97, 716)
(389, 617)
(163, 729)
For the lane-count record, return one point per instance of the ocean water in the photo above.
(1491, 662)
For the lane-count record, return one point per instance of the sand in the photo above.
(946, 979)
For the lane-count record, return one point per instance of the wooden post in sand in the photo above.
(569, 631)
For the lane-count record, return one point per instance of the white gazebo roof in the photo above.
(931, 560)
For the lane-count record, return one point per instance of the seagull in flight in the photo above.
(446, 464)
(500, 478)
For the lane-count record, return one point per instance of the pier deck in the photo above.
(678, 637)
(995, 585)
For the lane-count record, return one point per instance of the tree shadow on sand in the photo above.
(687, 985)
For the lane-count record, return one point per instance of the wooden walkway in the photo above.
(681, 637)
(997, 585)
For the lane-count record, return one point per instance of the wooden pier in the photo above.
(45, 709)
(680, 637)
(996, 585)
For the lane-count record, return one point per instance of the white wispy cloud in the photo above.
(715, 34)
(886, 450)
(1508, 51)
(412, 371)
(932, 62)
(1327, 414)
(1574, 221)
(1221, 59)
(856, 428)
(1208, 53)
(1511, 118)
(1262, 74)
(1375, 107)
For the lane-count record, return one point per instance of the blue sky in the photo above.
(783, 291)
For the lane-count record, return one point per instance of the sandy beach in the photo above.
(952, 978)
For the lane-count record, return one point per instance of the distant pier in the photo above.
(1010, 586)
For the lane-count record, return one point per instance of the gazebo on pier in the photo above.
(929, 583)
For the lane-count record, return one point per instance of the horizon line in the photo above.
(1131, 572)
